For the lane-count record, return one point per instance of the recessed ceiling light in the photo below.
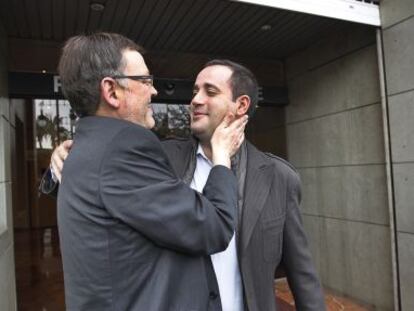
(266, 27)
(97, 7)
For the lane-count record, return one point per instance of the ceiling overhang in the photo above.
(179, 36)
(347, 10)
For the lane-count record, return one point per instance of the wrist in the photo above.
(221, 159)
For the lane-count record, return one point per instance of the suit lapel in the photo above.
(259, 177)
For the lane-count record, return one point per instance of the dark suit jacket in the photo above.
(133, 235)
(271, 231)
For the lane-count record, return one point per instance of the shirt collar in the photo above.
(234, 160)
(200, 152)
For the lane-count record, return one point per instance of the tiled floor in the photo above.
(39, 278)
(40, 281)
(333, 302)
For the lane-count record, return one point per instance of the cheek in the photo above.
(149, 120)
(148, 112)
(219, 113)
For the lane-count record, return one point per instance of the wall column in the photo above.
(397, 18)
(7, 270)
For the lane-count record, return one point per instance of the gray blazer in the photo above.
(133, 235)
(270, 233)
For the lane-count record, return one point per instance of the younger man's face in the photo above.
(212, 99)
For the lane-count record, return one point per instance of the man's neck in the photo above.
(105, 111)
(207, 149)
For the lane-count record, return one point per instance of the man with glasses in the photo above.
(269, 230)
(133, 236)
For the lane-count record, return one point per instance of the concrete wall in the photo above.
(7, 275)
(267, 130)
(398, 32)
(335, 139)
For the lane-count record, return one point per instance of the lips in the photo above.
(199, 113)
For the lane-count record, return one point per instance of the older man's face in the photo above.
(136, 94)
(212, 99)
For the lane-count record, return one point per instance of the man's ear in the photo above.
(243, 103)
(109, 92)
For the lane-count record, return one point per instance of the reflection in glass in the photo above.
(45, 113)
(171, 120)
(53, 123)
(67, 120)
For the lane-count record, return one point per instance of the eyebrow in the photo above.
(207, 85)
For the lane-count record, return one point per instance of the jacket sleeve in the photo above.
(139, 188)
(297, 260)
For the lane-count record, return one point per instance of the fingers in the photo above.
(241, 139)
(238, 142)
(56, 164)
(238, 131)
(238, 124)
(63, 149)
(243, 122)
(59, 156)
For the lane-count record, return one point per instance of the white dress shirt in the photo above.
(226, 264)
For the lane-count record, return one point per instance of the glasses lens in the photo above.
(148, 81)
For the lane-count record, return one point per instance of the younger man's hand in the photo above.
(58, 157)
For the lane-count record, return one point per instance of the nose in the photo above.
(154, 91)
(198, 99)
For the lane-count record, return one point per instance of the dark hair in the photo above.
(85, 61)
(242, 82)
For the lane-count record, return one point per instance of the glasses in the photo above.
(148, 79)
